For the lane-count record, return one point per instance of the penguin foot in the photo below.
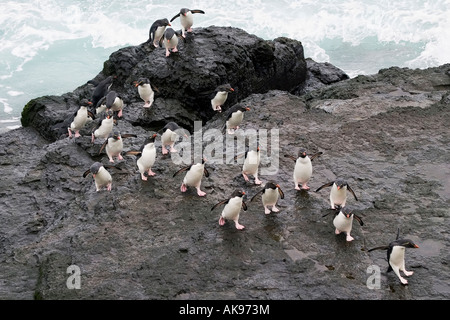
(109, 187)
(120, 157)
(151, 173)
(305, 187)
(172, 149)
(77, 134)
(221, 221)
(230, 131)
(164, 150)
(146, 105)
(245, 176)
(183, 187)
(337, 231)
(266, 211)
(143, 177)
(70, 132)
(93, 138)
(120, 114)
(167, 53)
(297, 187)
(111, 160)
(201, 193)
(403, 280)
(408, 273)
(257, 181)
(275, 209)
(238, 226)
(350, 238)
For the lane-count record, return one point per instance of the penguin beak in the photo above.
(93, 175)
(416, 246)
(248, 109)
(339, 187)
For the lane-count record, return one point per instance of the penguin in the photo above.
(193, 177)
(220, 96)
(186, 19)
(146, 157)
(169, 136)
(105, 127)
(101, 90)
(145, 91)
(232, 208)
(338, 194)
(114, 145)
(251, 165)
(303, 168)
(234, 118)
(343, 221)
(80, 118)
(170, 41)
(270, 194)
(101, 176)
(114, 102)
(156, 31)
(396, 256)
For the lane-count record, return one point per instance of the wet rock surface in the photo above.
(386, 134)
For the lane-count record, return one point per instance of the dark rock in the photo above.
(387, 134)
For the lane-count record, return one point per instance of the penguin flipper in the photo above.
(220, 203)
(181, 170)
(206, 172)
(133, 153)
(103, 146)
(86, 173)
(129, 135)
(329, 184)
(290, 157)
(256, 194)
(352, 192)
(281, 192)
(244, 206)
(176, 16)
(91, 114)
(315, 155)
(361, 223)
(198, 11)
(379, 248)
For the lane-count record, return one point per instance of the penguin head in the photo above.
(238, 193)
(85, 103)
(407, 243)
(271, 185)
(184, 11)
(141, 82)
(340, 183)
(243, 109)
(302, 153)
(165, 22)
(347, 212)
(116, 135)
(109, 114)
(95, 167)
(169, 34)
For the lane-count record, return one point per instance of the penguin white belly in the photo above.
(158, 34)
(117, 105)
(146, 93)
(80, 120)
(232, 209)
(270, 197)
(302, 170)
(194, 176)
(235, 120)
(219, 99)
(114, 147)
(147, 159)
(100, 109)
(105, 128)
(251, 164)
(397, 258)
(342, 223)
(338, 197)
(172, 44)
(168, 137)
(102, 178)
(187, 21)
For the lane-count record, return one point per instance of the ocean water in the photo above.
(50, 47)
